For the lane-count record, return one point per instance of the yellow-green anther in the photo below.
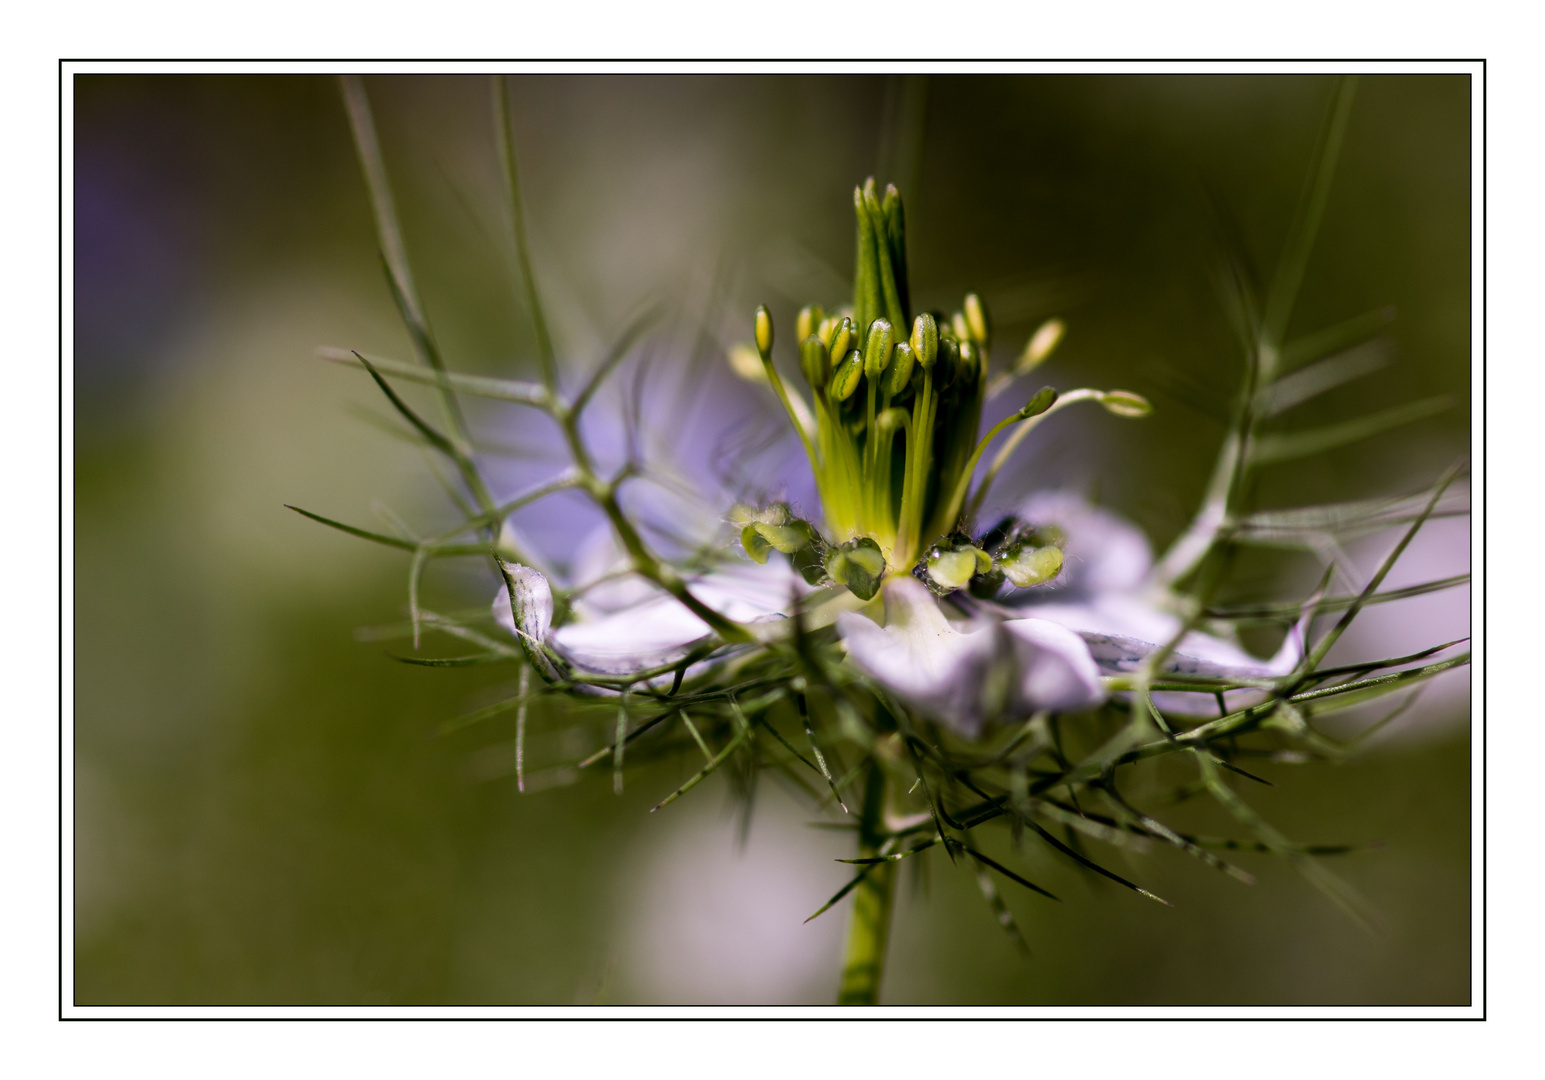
(841, 339)
(1040, 346)
(1026, 566)
(925, 340)
(815, 362)
(859, 565)
(846, 378)
(900, 370)
(953, 569)
(958, 325)
(809, 318)
(1044, 399)
(977, 322)
(826, 329)
(755, 544)
(764, 331)
(1125, 403)
(877, 349)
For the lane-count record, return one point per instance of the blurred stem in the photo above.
(869, 931)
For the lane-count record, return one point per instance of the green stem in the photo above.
(869, 931)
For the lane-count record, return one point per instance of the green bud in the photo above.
(1040, 346)
(845, 378)
(810, 565)
(925, 340)
(809, 318)
(755, 544)
(1026, 565)
(815, 363)
(900, 371)
(764, 331)
(953, 563)
(1044, 399)
(842, 337)
(877, 349)
(951, 569)
(976, 321)
(787, 538)
(1125, 403)
(859, 565)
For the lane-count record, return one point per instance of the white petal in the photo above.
(658, 631)
(528, 607)
(653, 628)
(1103, 552)
(920, 657)
(1123, 630)
(1056, 671)
(600, 573)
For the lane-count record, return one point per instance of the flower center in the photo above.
(890, 431)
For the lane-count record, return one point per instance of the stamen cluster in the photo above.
(891, 431)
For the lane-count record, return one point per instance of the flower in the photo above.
(891, 433)
(967, 672)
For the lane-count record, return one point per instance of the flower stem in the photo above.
(869, 931)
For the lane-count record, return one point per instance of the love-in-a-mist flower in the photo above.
(890, 431)
(864, 645)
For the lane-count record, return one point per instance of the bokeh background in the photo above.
(266, 808)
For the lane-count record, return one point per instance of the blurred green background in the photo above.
(265, 809)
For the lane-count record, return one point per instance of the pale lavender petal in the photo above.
(655, 628)
(647, 635)
(920, 656)
(1056, 671)
(1122, 631)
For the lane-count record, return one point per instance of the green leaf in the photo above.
(849, 887)
(1283, 293)
(1248, 614)
(713, 763)
(1273, 449)
(1334, 339)
(504, 136)
(453, 661)
(1301, 386)
(1006, 872)
(521, 393)
(392, 541)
